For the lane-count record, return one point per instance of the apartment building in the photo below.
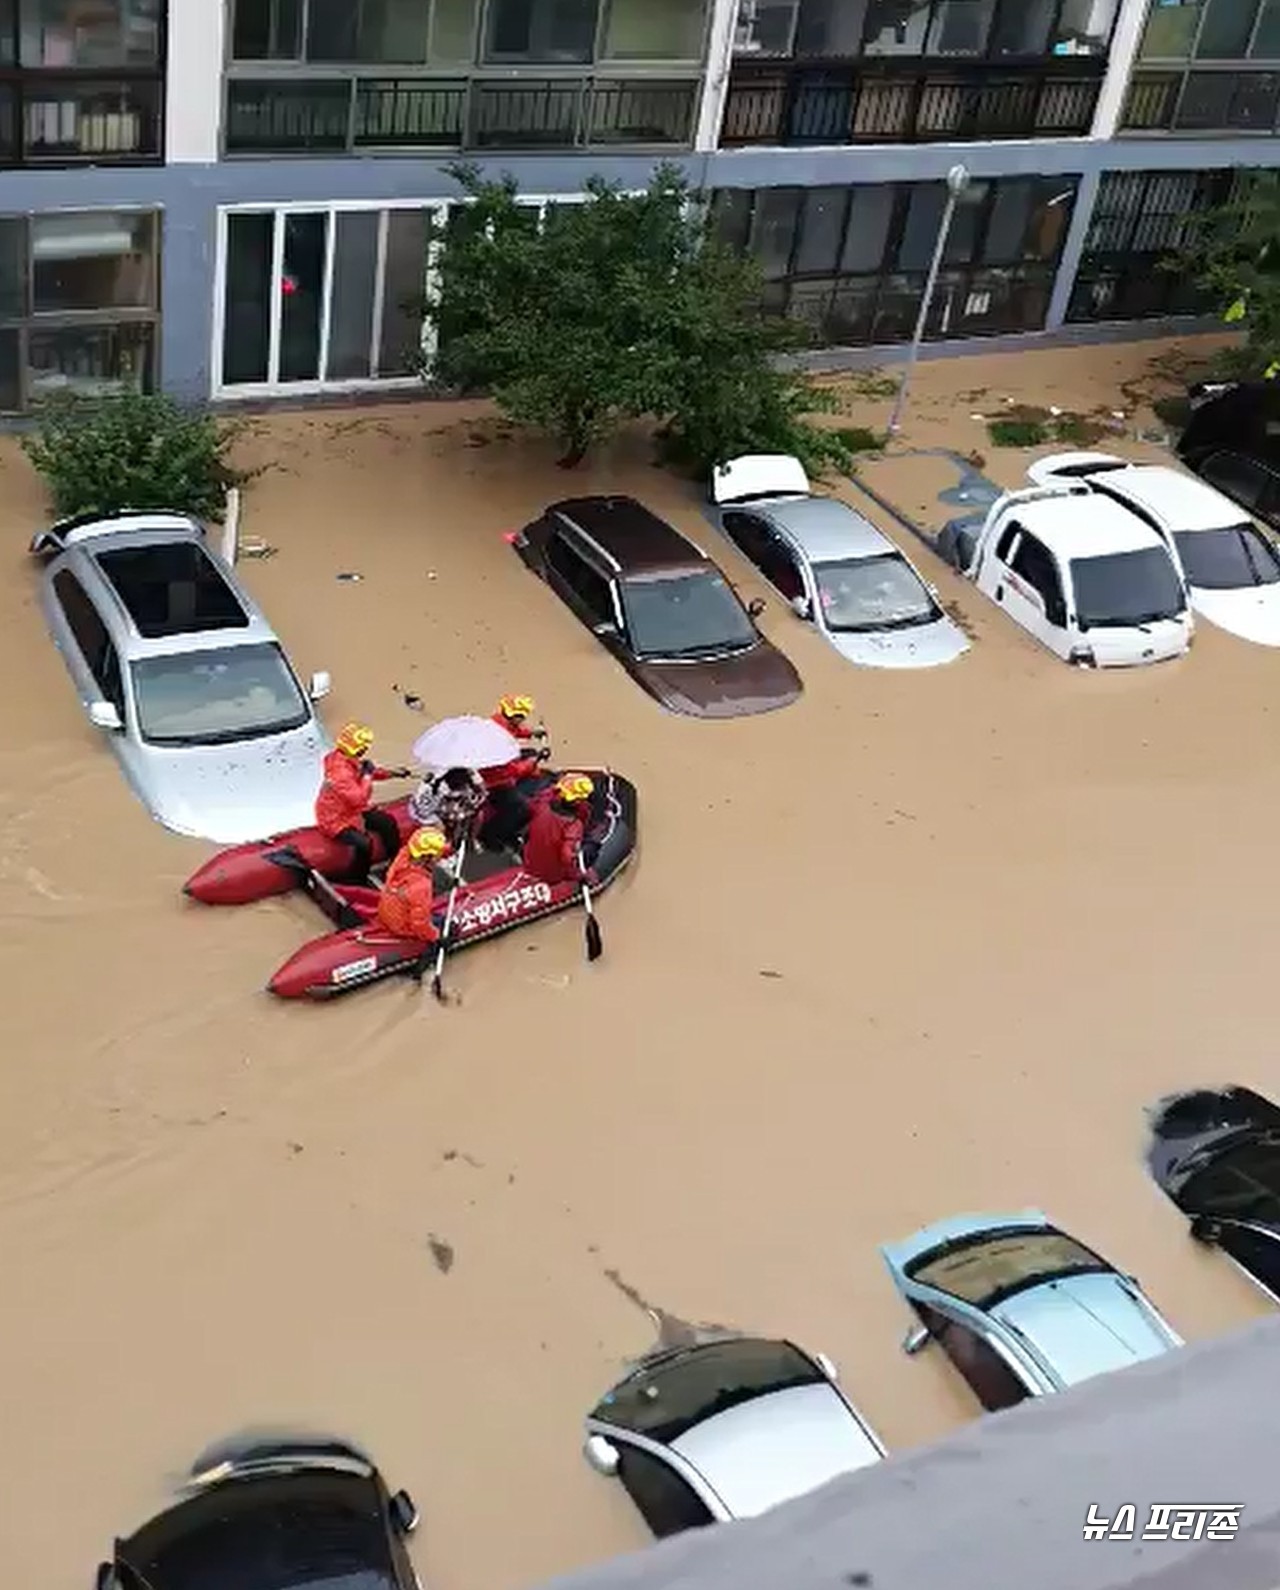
(232, 198)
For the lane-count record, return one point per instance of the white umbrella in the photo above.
(465, 742)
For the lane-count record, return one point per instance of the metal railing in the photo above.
(1202, 101)
(794, 104)
(275, 115)
(80, 118)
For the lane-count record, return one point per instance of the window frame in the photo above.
(564, 535)
(105, 668)
(630, 1452)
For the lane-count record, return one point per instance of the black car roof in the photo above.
(273, 1531)
(630, 533)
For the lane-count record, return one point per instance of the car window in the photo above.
(83, 619)
(589, 587)
(1239, 477)
(1241, 1183)
(990, 1379)
(1257, 1252)
(992, 1264)
(1035, 564)
(1007, 537)
(678, 615)
(210, 697)
(172, 590)
(666, 1501)
(879, 593)
(1226, 559)
(1123, 588)
(748, 533)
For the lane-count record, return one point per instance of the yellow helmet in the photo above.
(427, 844)
(575, 787)
(355, 738)
(517, 706)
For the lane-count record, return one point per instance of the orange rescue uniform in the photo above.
(404, 905)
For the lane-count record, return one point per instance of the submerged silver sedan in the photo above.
(725, 1429)
(176, 665)
(834, 567)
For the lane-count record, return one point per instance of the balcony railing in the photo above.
(1202, 101)
(276, 115)
(80, 119)
(791, 104)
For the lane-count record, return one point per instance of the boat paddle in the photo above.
(595, 943)
(437, 986)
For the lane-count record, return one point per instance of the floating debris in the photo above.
(255, 547)
(350, 577)
(442, 1253)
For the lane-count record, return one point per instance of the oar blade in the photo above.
(595, 942)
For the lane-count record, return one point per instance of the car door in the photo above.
(583, 586)
(91, 656)
(759, 542)
(664, 1498)
(1021, 583)
(993, 1381)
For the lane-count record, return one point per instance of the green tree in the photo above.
(619, 307)
(1233, 251)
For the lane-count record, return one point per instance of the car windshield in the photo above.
(210, 697)
(676, 615)
(873, 593)
(992, 1264)
(1122, 588)
(665, 1399)
(1225, 560)
(1239, 1183)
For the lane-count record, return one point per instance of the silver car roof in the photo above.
(824, 528)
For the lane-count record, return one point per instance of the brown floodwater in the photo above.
(916, 945)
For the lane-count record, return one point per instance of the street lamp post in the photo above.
(957, 182)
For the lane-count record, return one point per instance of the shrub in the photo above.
(858, 439)
(1017, 433)
(133, 451)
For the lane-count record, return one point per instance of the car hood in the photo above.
(1084, 1325)
(1252, 612)
(920, 646)
(758, 680)
(232, 794)
(1125, 646)
(1189, 1129)
(776, 1447)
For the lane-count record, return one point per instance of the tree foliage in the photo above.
(619, 307)
(1233, 251)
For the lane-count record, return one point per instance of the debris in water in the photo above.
(295, 1148)
(350, 576)
(442, 1253)
(672, 1330)
(255, 547)
(765, 972)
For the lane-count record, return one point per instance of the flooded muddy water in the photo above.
(919, 944)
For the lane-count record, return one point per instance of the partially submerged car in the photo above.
(296, 1516)
(1232, 440)
(1232, 570)
(726, 1428)
(1083, 575)
(1216, 1153)
(1021, 1308)
(833, 566)
(176, 664)
(659, 605)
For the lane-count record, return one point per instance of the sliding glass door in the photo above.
(313, 298)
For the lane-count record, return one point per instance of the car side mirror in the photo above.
(404, 1512)
(103, 715)
(320, 686)
(802, 607)
(602, 1455)
(915, 1340)
(756, 606)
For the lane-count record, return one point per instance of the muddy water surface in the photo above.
(916, 945)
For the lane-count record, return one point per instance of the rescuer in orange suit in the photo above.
(507, 810)
(557, 831)
(407, 897)
(344, 806)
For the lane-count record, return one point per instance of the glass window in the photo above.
(267, 30)
(982, 1268)
(990, 1379)
(873, 594)
(332, 29)
(684, 614)
(1035, 564)
(1266, 41)
(210, 697)
(731, 215)
(403, 287)
(831, 27)
(665, 1501)
(765, 27)
(1022, 28)
(1240, 478)
(1050, 218)
(1007, 225)
(13, 268)
(246, 331)
(389, 31)
(1124, 588)
(10, 372)
(773, 233)
(301, 290)
(966, 221)
(541, 30)
(107, 33)
(590, 588)
(1224, 34)
(1084, 27)
(1225, 560)
(1256, 1252)
(920, 231)
(87, 629)
(453, 30)
(870, 216)
(1206, 100)
(960, 27)
(355, 265)
(92, 259)
(896, 27)
(1171, 30)
(93, 361)
(654, 30)
(821, 230)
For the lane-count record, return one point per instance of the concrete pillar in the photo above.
(194, 81)
(715, 83)
(1072, 249)
(1124, 52)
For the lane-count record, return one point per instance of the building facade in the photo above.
(233, 198)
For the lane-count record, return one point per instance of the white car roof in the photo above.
(777, 1446)
(1178, 501)
(1085, 525)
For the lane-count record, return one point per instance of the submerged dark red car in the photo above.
(660, 605)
